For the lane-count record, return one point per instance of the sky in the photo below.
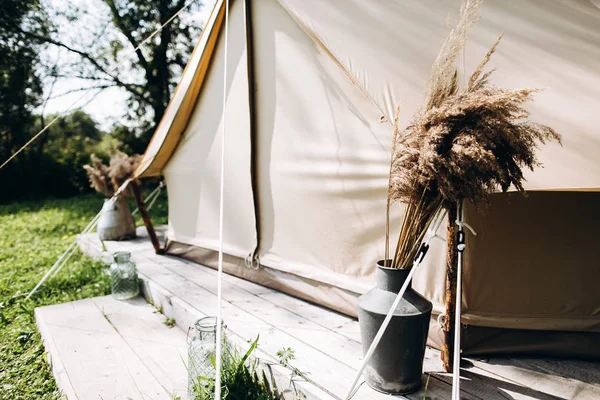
(109, 105)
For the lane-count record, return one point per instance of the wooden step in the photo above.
(327, 344)
(102, 348)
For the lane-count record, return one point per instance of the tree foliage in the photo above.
(20, 85)
(103, 55)
(92, 42)
(55, 167)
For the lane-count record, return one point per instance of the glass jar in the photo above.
(201, 355)
(123, 277)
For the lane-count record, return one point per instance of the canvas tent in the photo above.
(312, 88)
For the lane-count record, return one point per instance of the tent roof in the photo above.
(173, 123)
(388, 56)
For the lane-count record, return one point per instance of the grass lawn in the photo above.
(32, 236)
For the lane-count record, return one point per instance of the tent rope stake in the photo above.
(431, 233)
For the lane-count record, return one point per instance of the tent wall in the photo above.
(530, 277)
(534, 263)
(322, 201)
(193, 172)
(326, 86)
(387, 49)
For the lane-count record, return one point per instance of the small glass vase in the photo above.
(201, 355)
(123, 277)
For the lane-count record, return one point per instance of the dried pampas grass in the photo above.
(122, 168)
(107, 179)
(463, 144)
(98, 173)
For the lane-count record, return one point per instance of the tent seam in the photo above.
(323, 47)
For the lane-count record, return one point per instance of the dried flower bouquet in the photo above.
(463, 144)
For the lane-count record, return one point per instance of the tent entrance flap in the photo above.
(192, 173)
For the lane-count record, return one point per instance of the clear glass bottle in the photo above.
(123, 277)
(201, 355)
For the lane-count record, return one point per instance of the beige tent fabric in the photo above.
(388, 48)
(193, 172)
(535, 263)
(484, 341)
(323, 158)
(179, 110)
(326, 74)
(316, 292)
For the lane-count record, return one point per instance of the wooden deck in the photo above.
(327, 344)
(102, 348)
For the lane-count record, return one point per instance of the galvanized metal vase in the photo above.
(397, 364)
(123, 277)
(116, 221)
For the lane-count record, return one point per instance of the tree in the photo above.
(71, 142)
(57, 169)
(120, 26)
(20, 85)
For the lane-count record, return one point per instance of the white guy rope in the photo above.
(219, 338)
(431, 233)
(85, 93)
(151, 203)
(59, 263)
(156, 193)
(68, 253)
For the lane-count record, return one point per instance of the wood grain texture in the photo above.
(327, 344)
(103, 355)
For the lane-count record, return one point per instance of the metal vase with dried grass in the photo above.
(116, 221)
(462, 145)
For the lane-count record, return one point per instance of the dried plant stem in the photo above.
(417, 218)
(389, 197)
(462, 144)
(450, 299)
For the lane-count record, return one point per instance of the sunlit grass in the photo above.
(32, 236)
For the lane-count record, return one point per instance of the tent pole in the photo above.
(137, 193)
(460, 245)
(450, 293)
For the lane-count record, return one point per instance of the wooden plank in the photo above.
(584, 371)
(331, 320)
(341, 348)
(161, 349)
(248, 297)
(264, 311)
(186, 315)
(98, 361)
(435, 390)
(320, 336)
(302, 321)
(548, 379)
(328, 373)
(59, 371)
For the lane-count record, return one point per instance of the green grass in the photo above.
(32, 236)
